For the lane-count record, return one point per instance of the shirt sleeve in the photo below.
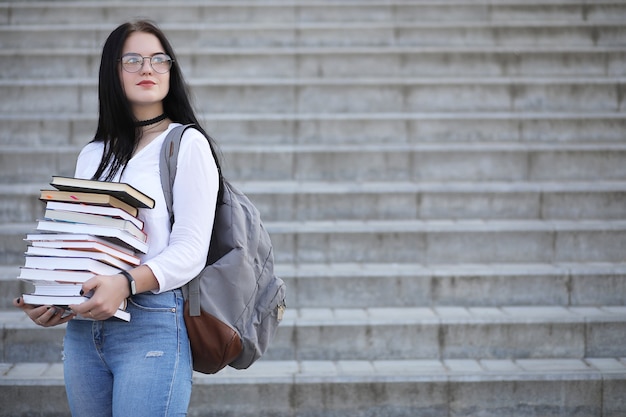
(195, 197)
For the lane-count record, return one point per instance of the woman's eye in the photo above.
(159, 59)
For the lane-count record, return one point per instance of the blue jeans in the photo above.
(115, 368)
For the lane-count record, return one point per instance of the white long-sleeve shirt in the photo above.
(178, 256)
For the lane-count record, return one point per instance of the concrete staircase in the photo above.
(444, 182)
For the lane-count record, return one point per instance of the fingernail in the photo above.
(18, 299)
(81, 292)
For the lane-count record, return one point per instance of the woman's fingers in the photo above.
(46, 316)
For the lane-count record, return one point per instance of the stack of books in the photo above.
(89, 228)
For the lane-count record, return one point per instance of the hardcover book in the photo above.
(71, 264)
(64, 301)
(95, 219)
(125, 192)
(69, 253)
(92, 199)
(114, 212)
(35, 275)
(88, 245)
(120, 237)
(56, 288)
(58, 240)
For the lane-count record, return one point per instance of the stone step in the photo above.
(305, 62)
(433, 242)
(382, 333)
(302, 200)
(448, 388)
(62, 129)
(366, 285)
(375, 162)
(450, 333)
(428, 162)
(99, 12)
(445, 242)
(527, 33)
(341, 96)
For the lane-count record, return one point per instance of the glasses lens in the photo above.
(132, 62)
(161, 63)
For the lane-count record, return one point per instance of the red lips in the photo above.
(146, 83)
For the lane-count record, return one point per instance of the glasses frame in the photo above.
(143, 60)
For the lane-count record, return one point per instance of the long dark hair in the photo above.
(116, 122)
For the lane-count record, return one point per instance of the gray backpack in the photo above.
(233, 307)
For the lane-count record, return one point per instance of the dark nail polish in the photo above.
(81, 292)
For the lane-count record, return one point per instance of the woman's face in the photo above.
(145, 88)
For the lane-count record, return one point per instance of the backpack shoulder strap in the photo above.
(167, 166)
(168, 163)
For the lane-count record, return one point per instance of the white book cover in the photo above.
(64, 289)
(71, 264)
(35, 275)
(77, 239)
(109, 232)
(93, 209)
(88, 247)
(64, 301)
(96, 220)
(68, 253)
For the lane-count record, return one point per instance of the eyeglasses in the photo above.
(133, 62)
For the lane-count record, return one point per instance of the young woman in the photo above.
(142, 367)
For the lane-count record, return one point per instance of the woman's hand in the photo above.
(46, 316)
(108, 293)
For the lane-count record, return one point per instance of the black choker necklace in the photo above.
(149, 122)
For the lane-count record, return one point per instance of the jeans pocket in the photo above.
(167, 301)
